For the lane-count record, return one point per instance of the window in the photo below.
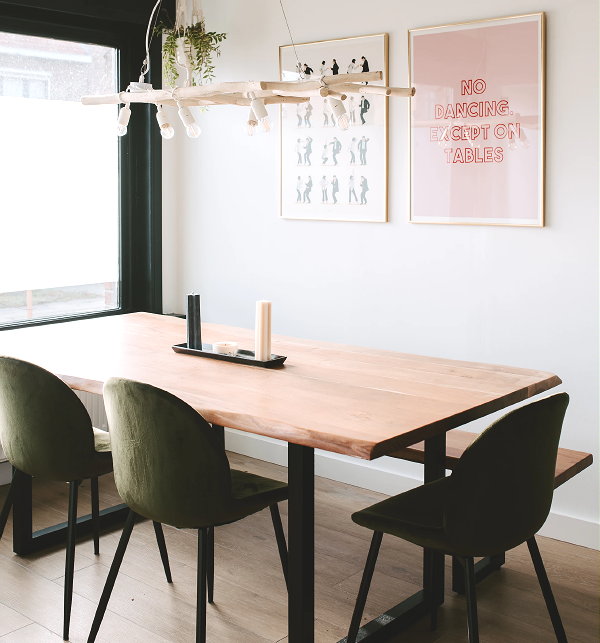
(59, 249)
(80, 216)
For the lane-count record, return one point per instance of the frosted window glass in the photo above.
(59, 214)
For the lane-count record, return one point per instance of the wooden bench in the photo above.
(568, 464)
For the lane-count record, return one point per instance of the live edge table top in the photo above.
(350, 400)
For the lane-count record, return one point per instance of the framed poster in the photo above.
(328, 173)
(477, 122)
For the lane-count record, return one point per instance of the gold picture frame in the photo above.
(477, 122)
(328, 174)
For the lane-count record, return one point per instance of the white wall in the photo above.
(524, 297)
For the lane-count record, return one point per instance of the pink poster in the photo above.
(477, 122)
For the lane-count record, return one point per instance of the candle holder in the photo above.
(242, 357)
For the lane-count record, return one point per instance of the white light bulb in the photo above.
(251, 123)
(167, 132)
(192, 128)
(166, 129)
(123, 120)
(343, 122)
(339, 111)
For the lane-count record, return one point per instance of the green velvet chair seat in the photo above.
(416, 515)
(101, 461)
(252, 493)
(101, 440)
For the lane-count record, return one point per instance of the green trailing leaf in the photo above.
(199, 45)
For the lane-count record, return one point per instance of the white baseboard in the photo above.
(571, 529)
(391, 477)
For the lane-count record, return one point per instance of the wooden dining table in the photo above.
(355, 401)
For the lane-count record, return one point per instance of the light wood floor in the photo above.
(250, 597)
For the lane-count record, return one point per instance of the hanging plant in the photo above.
(191, 48)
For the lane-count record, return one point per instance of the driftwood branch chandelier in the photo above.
(255, 95)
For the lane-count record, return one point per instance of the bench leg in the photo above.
(483, 569)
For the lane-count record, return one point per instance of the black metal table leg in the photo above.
(301, 536)
(26, 541)
(7, 507)
(95, 513)
(398, 618)
(433, 562)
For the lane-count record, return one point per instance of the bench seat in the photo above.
(568, 462)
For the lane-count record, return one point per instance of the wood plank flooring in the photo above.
(250, 598)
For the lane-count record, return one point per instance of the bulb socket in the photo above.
(258, 107)
(186, 116)
(337, 106)
(124, 116)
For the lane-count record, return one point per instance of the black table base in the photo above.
(426, 601)
(26, 541)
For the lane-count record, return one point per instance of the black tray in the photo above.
(242, 357)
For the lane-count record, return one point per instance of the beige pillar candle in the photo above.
(262, 331)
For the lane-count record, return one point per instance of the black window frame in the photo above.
(120, 24)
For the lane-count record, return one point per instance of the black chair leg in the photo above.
(112, 576)
(472, 623)
(540, 570)
(201, 586)
(281, 544)
(70, 555)
(210, 564)
(365, 583)
(7, 507)
(162, 548)
(483, 569)
(95, 514)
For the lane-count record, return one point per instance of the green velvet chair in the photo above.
(46, 432)
(170, 466)
(498, 496)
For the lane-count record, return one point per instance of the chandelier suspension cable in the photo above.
(299, 65)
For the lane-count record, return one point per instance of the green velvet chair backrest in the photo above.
(169, 463)
(45, 429)
(502, 485)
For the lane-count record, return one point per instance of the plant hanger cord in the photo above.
(197, 11)
(181, 13)
(183, 57)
